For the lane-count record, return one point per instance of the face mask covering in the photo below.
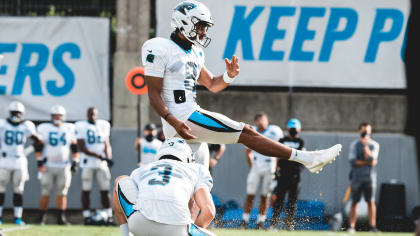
(149, 137)
(293, 133)
(57, 122)
(15, 119)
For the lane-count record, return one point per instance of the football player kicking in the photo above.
(54, 164)
(172, 69)
(14, 132)
(154, 199)
(93, 141)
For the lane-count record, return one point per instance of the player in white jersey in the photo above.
(149, 145)
(262, 169)
(96, 159)
(154, 199)
(172, 69)
(54, 162)
(14, 132)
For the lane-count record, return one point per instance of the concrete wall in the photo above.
(397, 161)
(133, 21)
(316, 111)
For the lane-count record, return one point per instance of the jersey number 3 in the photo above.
(164, 170)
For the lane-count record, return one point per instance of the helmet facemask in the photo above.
(16, 116)
(194, 34)
(57, 119)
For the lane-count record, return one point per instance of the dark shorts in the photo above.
(368, 190)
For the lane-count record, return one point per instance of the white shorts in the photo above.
(209, 127)
(101, 175)
(61, 177)
(256, 175)
(15, 170)
(17, 177)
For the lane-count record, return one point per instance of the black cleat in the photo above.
(42, 220)
(243, 225)
(88, 221)
(110, 221)
(62, 220)
(261, 225)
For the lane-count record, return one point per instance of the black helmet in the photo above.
(150, 126)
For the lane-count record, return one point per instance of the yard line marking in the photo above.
(16, 229)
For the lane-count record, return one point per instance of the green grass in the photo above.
(80, 230)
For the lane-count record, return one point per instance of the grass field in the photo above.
(80, 230)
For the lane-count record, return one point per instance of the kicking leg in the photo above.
(213, 127)
(314, 161)
(255, 141)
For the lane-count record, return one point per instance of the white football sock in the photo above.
(261, 218)
(303, 157)
(245, 217)
(124, 229)
(86, 213)
(109, 212)
(18, 212)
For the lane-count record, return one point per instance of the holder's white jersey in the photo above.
(165, 188)
(149, 150)
(94, 136)
(13, 139)
(57, 141)
(274, 133)
(179, 69)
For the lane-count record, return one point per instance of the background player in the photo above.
(149, 145)
(216, 153)
(93, 141)
(262, 169)
(154, 198)
(288, 178)
(363, 156)
(14, 132)
(54, 162)
(172, 68)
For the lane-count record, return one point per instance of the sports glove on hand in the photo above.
(109, 162)
(74, 167)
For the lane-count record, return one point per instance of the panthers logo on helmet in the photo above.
(185, 7)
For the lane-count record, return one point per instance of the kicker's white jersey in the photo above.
(13, 139)
(274, 133)
(165, 188)
(57, 141)
(149, 150)
(94, 136)
(180, 70)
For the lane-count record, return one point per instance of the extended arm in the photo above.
(249, 156)
(220, 152)
(82, 147)
(154, 85)
(216, 84)
(204, 201)
(108, 149)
